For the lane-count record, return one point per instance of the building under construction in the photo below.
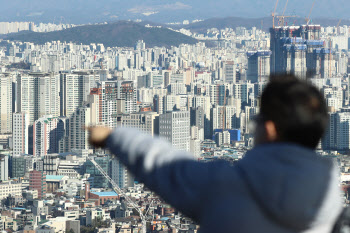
(258, 65)
(298, 50)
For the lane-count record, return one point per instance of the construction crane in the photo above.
(120, 192)
(284, 11)
(274, 14)
(308, 18)
(338, 29)
(281, 18)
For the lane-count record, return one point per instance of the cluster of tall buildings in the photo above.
(200, 99)
(14, 27)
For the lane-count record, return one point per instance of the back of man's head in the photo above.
(296, 108)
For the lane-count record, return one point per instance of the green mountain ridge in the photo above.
(121, 34)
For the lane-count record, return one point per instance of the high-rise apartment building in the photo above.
(329, 140)
(158, 103)
(171, 103)
(6, 102)
(258, 66)
(20, 133)
(221, 117)
(243, 91)
(146, 122)
(218, 94)
(127, 91)
(74, 90)
(4, 167)
(78, 138)
(45, 138)
(229, 72)
(63, 134)
(333, 96)
(342, 129)
(38, 95)
(197, 117)
(106, 101)
(120, 174)
(175, 127)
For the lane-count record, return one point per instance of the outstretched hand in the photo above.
(98, 135)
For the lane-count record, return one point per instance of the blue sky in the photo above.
(90, 11)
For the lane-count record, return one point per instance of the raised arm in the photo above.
(174, 175)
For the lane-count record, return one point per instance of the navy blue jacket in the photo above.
(274, 188)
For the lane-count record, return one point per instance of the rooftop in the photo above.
(105, 194)
(52, 177)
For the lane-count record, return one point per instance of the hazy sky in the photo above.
(90, 11)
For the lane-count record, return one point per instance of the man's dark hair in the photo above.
(297, 109)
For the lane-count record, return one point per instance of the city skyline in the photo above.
(200, 97)
(90, 11)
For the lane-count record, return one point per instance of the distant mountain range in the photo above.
(121, 34)
(126, 33)
(162, 11)
(260, 23)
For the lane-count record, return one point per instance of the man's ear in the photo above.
(271, 131)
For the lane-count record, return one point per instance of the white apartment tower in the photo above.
(20, 133)
(5, 103)
(4, 167)
(175, 127)
(78, 138)
(38, 95)
(146, 122)
(229, 72)
(74, 90)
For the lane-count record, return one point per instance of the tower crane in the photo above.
(120, 192)
(282, 17)
(308, 18)
(338, 29)
(284, 10)
(274, 14)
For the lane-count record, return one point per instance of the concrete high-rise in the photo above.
(329, 140)
(175, 127)
(229, 72)
(218, 94)
(17, 166)
(292, 49)
(38, 95)
(78, 138)
(6, 102)
(37, 181)
(106, 101)
(120, 174)
(127, 91)
(221, 117)
(342, 128)
(45, 138)
(74, 90)
(258, 66)
(20, 133)
(4, 167)
(146, 122)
